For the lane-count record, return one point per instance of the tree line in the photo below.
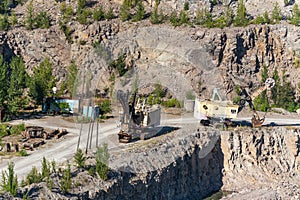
(18, 88)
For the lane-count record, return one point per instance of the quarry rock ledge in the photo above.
(186, 164)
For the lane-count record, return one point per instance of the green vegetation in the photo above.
(240, 18)
(98, 13)
(46, 168)
(9, 180)
(124, 12)
(105, 107)
(72, 82)
(156, 18)
(42, 81)
(66, 181)
(33, 20)
(282, 94)
(23, 153)
(140, 12)
(276, 14)
(295, 15)
(102, 158)
(79, 159)
(33, 177)
(17, 84)
(119, 65)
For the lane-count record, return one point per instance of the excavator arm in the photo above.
(256, 120)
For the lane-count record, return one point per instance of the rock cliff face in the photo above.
(191, 164)
(265, 159)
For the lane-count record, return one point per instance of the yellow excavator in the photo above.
(215, 111)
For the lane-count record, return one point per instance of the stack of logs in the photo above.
(33, 137)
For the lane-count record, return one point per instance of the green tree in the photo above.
(82, 17)
(109, 14)
(98, 13)
(266, 18)
(105, 107)
(33, 176)
(79, 159)
(17, 85)
(13, 19)
(102, 158)
(183, 17)
(174, 19)
(42, 81)
(156, 18)
(4, 81)
(140, 12)
(10, 180)
(204, 17)
(240, 18)
(276, 15)
(295, 15)
(4, 23)
(125, 12)
(29, 21)
(72, 81)
(42, 20)
(186, 6)
(66, 180)
(45, 168)
(81, 5)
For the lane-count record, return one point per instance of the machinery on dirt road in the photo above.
(216, 111)
(138, 120)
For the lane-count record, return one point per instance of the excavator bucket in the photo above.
(256, 120)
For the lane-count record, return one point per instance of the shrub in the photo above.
(45, 168)
(156, 18)
(42, 20)
(33, 176)
(102, 157)
(66, 180)
(4, 23)
(23, 152)
(79, 159)
(98, 13)
(109, 14)
(140, 12)
(105, 107)
(171, 103)
(119, 64)
(10, 180)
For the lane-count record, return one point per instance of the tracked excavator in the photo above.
(215, 111)
(137, 120)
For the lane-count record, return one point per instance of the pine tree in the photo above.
(66, 181)
(276, 13)
(156, 18)
(124, 12)
(102, 157)
(10, 180)
(72, 81)
(30, 17)
(296, 15)
(17, 85)
(4, 81)
(240, 18)
(42, 81)
(45, 168)
(140, 12)
(79, 159)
